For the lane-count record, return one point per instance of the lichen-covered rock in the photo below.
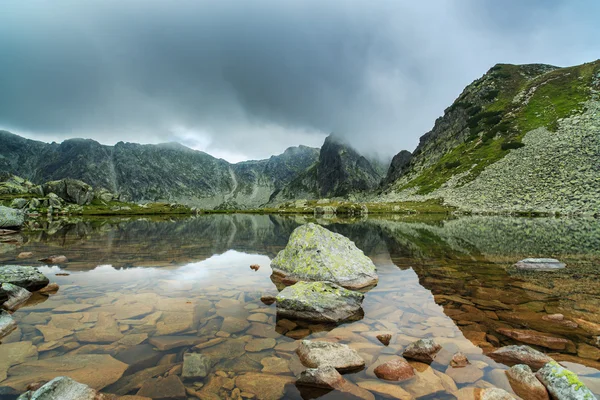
(423, 350)
(562, 383)
(70, 190)
(540, 264)
(512, 355)
(11, 218)
(525, 384)
(316, 354)
(314, 253)
(26, 277)
(63, 388)
(319, 302)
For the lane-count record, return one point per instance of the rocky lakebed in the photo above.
(269, 307)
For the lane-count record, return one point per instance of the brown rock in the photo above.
(255, 267)
(385, 389)
(275, 365)
(587, 351)
(395, 370)
(234, 325)
(588, 326)
(384, 338)
(466, 374)
(287, 324)
(524, 383)
(256, 345)
(298, 333)
(459, 360)
(423, 350)
(52, 333)
(50, 289)
(268, 299)
(512, 355)
(263, 386)
(25, 254)
(54, 260)
(94, 370)
(164, 343)
(538, 338)
(169, 388)
(106, 330)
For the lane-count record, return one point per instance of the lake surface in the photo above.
(137, 294)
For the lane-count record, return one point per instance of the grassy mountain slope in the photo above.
(521, 138)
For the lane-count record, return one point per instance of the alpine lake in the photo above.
(137, 294)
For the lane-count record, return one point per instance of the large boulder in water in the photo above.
(314, 253)
(26, 277)
(70, 190)
(319, 302)
(10, 218)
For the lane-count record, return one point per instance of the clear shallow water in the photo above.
(133, 283)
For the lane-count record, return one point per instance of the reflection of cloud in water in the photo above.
(230, 262)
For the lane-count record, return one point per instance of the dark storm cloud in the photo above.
(248, 78)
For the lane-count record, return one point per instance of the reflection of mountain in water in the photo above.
(461, 261)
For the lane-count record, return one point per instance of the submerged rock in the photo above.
(169, 388)
(512, 355)
(525, 384)
(195, 365)
(314, 253)
(315, 354)
(26, 277)
(320, 302)
(11, 218)
(263, 386)
(423, 350)
(562, 383)
(63, 388)
(540, 264)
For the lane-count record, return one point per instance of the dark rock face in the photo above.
(164, 172)
(341, 170)
(338, 172)
(400, 164)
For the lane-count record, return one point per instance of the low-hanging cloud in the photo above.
(245, 79)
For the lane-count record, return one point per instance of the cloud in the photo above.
(248, 79)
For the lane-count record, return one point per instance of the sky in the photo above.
(246, 79)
